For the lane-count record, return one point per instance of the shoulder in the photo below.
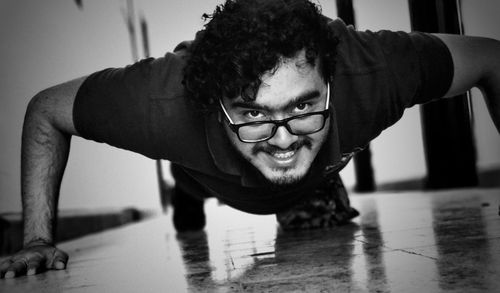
(358, 52)
(366, 51)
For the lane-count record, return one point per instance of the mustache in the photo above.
(271, 149)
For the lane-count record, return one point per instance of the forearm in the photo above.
(47, 130)
(44, 154)
(476, 64)
(490, 88)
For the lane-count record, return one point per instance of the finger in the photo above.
(10, 275)
(59, 265)
(33, 269)
(34, 266)
(4, 266)
(17, 268)
(5, 263)
(59, 260)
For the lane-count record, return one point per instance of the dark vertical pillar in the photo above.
(345, 11)
(365, 181)
(448, 140)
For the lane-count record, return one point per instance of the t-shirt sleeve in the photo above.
(421, 64)
(113, 105)
(380, 74)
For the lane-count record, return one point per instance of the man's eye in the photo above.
(253, 114)
(302, 106)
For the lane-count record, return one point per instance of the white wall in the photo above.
(43, 43)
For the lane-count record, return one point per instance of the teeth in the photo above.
(284, 156)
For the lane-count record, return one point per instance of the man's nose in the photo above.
(282, 138)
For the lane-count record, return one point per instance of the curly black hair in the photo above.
(244, 39)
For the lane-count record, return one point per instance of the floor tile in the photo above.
(447, 241)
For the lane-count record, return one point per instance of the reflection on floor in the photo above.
(406, 242)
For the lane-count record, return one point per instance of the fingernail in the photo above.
(60, 265)
(10, 275)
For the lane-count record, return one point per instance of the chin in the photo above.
(284, 177)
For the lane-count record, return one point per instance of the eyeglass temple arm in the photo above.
(225, 111)
(327, 96)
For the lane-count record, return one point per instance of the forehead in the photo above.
(290, 79)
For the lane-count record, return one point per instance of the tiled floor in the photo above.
(407, 242)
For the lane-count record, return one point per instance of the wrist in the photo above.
(36, 241)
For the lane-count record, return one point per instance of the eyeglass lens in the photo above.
(298, 126)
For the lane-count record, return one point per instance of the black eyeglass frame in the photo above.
(277, 123)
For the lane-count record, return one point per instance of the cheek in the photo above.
(319, 138)
(243, 148)
(323, 134)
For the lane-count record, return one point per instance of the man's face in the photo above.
(294, 88)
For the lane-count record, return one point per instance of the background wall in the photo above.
(47, 42)
(398, 152)
(43, 43)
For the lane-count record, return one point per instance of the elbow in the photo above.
(39, 108)
(37, 118)
(52, 108)
(490, 63)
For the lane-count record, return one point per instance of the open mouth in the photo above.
(282, 158)
(283, 155)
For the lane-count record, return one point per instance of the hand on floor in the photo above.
(33, 259)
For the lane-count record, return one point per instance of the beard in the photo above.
(285, 177)
(285, 181)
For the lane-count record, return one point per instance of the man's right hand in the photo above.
(34, 258)
(47, 130)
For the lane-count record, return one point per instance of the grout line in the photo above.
(262, 253)
(415, 253)
(398, 249)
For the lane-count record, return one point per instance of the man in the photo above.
(261, 110)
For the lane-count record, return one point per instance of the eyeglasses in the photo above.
(258, 131)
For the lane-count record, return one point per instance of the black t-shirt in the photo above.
(143, 108)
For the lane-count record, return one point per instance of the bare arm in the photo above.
(48, 127)
(476, 64)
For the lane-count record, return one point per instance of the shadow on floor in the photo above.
(487, 179)
(71, 224)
